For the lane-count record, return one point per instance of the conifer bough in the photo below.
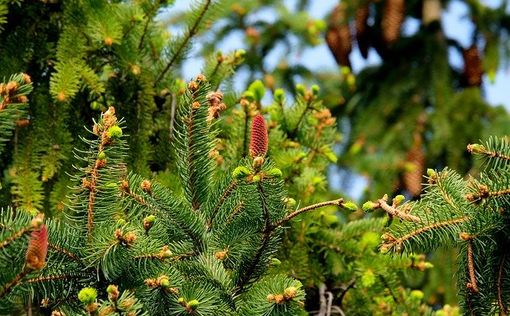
(129, 244)
(469, 213)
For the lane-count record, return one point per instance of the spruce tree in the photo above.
(128, 244)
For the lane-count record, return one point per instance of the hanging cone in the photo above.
(338, 35)
(431, 11)
(473, 69)
(393, 16)
(362, 29)
(414, 168)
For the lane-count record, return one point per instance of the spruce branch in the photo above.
(224, 196)
(472, 285)
(17, 279)
(149, 17)
(237, 209)
(502, 308)
(266, 236)
(337, 202)
(191, 32)
(393, 211)
(49, 278)
(20, 233)
(66, 252)
(481, 150)
(392, 241)
(484, 193)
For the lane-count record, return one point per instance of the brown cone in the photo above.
(338, 35)
(416, 161)
(393, 16)
(473, 69)
(362, 29)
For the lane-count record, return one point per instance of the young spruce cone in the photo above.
(338, 35)
(393, 16)
(37, 249)
(258, 140)
(473, 70)
(362, 29)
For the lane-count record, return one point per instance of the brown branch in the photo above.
(472, 285)
(245, 278)
(51, 278)
(235, 211)
(287, 218)
(479, 149)
(17, 279)
(502, 307)
(94, 175)
(15, 236)
(345, 290)
(192, 31)
(395, 212)
(425, 229)
(159, 256)
(65, 252)
(484, 193)
(146, 27)
(228, 191)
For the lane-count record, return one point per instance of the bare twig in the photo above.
(395, 212)
(472, 285)
(287, 218)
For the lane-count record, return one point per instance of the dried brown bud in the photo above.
(100, 163)
(279, 299)
(146, 186)
(214, 98)
(11, 87)
(124, 186)
(61, 96)
(465, 236)
(221, 255)
(193, 86)
(108, 41)
(22, 99)
(26, 78)
(290, 292)
(130, 238)
(85, 183)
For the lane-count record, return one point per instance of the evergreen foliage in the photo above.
(202, 253)
(468, 214)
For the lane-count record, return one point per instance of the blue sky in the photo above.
(456, 25)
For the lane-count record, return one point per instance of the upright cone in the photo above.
(258, 139)
(338, 35)
(414, 168)
(37, 249)
(393, 16)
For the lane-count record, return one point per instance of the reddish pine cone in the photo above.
(37, 249)
(258, 140)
